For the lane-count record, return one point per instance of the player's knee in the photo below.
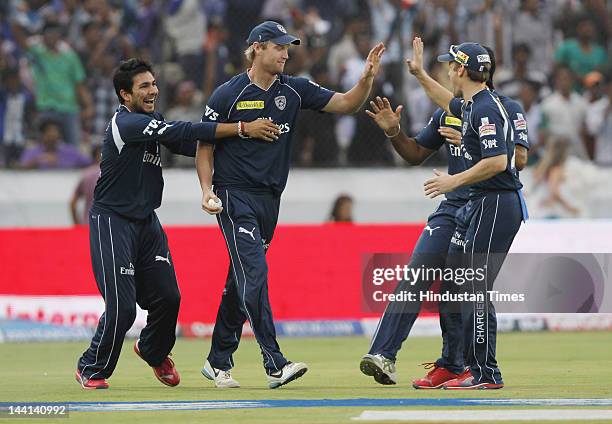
(127, 314)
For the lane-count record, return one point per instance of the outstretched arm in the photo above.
(434, 90)
(352, 100)
(389, 122)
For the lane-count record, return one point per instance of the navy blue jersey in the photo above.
(517, 119)
(252, 164)
(131, 182)
(430, 138)
(487, 132)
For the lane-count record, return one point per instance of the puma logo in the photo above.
(243, 230)
(431, 230)
(162, 259)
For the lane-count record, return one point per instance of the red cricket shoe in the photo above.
(90, 383)
(434, 378)
(467, 382)
(165, 372)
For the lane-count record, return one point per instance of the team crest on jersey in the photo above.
(280, 102)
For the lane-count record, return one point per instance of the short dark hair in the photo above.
(492, 68)
(123, 75)
(46, 123)
(478, 76)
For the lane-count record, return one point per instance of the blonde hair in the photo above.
(250, 51)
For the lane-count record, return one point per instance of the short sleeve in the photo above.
(456, 107)
(312, 95)
(429, 137)
(489, 123)
(216, 110)
(519, 124)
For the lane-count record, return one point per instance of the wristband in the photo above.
(399, 129)
(241, 132)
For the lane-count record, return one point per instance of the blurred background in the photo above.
(56, 97)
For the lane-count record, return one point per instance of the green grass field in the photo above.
(534, 365)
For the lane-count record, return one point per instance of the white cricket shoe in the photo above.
(291, 371)
(379, 367)
(222, 379)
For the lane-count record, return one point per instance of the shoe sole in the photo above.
(439, 386)
(481, 386)
(78, 379)
(207, 376)
(369, 368)
(165, 383)
(290, 379)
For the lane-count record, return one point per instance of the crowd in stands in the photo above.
(57, 57)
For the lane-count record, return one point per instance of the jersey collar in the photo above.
(276, 78)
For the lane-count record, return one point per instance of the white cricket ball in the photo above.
(212, 203)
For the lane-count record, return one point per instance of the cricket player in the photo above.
(430, 250)
(249, 178)
(492, 216)
(129, 249)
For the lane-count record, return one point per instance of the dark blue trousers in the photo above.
(489, 224)
(132, 264)
(399, 317)
(247, 221)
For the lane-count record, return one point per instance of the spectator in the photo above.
(582, 54)
(342, 209)
(564, 112)
(216, 59)
(85, 189)
(510, 83)
(52, 152)
(533, 26)
(186, 25)
(105, 103)
(550, 177)
(59, 81)
(316, 143)
(528, 97)
(344, 49)
(16, 108)
(187, 107)
(599, 118)
(144, 32)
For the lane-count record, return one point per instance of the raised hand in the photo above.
(373, 61)
(384, 116)
(415, 65)
(263, 129)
